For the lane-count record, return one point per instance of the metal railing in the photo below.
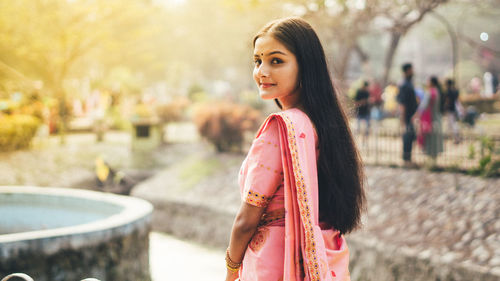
(383, 146)
(26, 277)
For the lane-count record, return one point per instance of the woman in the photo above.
(430, 136)
(302, 181)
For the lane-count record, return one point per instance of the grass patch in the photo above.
(195, 169)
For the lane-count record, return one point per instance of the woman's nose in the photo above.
(263, 70)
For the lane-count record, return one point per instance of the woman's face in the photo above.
(276, 71)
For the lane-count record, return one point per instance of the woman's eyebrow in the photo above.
(269, 54)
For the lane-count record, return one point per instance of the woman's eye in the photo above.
(276, 61)
(257, 61)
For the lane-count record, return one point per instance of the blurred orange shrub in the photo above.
(17, 131)
(173, 111)
(224, 123)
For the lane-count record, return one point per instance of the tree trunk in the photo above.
(454, 43)
(391, 52)
(63, 114)
(341, 69)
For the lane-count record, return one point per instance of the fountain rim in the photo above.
(134, 211)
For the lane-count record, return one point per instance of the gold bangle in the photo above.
(234, 270)
(230, 263)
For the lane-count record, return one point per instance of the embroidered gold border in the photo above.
(257, 199)
(305, 213)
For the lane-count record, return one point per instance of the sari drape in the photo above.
(309, 253)
(426, 117)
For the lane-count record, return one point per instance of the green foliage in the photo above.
(199, 97)
(118, 121)
(489, 163)
(17, 131)
(224, 123)
(194, 88)
(472, 151)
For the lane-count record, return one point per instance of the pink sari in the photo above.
(293, 247)
(426, 117)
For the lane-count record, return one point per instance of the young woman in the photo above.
(302, 181)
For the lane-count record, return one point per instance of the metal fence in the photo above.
(384, 146)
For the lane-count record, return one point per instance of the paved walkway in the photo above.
(174, 259)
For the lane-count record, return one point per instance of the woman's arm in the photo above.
(244, 227)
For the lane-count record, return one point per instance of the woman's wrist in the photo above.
(231, 265)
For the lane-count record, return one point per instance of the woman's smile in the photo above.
(266, 85)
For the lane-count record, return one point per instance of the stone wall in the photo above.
(123, 257)
(375, 261)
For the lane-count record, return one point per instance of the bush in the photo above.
(224, 124)
(17, 131)
(489, 163)
(173, 111)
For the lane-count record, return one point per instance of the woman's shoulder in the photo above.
(294, 119)
(293, 114)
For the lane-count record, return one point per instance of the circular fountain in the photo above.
(70, 234)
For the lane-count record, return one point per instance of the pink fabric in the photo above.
(426, 118)
(283, 158)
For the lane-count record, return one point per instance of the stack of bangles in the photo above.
(230, 264)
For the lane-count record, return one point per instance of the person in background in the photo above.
(389, 96)
(451, 110)
(430, 136)
(362, 102)
(408, 106)
(376, 100)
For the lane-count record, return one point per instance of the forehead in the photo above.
(266, 44)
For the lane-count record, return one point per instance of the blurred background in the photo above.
(155, 99)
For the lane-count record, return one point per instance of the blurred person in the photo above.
(470, 116)
(451, 109)
(376, 100)
(302, 181)
(362, 103)
(488, 85)
(430, 136)
(389, 97)
(408, 106)
(475, 86)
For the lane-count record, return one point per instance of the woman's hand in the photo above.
(231, 276)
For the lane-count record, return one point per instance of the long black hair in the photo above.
(435, 82)
(340, 172)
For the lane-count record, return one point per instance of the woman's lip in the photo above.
(266, 85)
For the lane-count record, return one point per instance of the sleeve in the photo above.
(264, 172)
(425, 102)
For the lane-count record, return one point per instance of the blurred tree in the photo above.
(402, 15)
(53, 40)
